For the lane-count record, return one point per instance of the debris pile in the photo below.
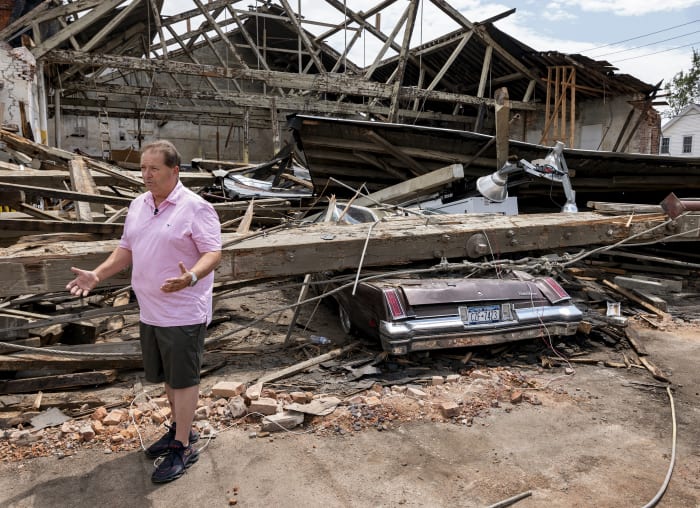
(51, 341)
(455, 398)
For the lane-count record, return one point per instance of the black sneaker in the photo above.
(178, 459)
(160, 447)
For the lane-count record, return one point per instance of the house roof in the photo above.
(690, 108)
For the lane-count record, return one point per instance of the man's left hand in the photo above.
(177, 283)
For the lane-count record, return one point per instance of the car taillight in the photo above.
(560, 292)
(394, 303)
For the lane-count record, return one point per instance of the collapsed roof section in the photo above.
(233, 60)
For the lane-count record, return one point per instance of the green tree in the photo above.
(684, 88)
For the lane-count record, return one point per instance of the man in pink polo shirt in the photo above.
(172, 241)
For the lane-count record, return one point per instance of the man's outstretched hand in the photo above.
(84, 282)
(177, 283)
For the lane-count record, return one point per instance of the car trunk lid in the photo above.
(435, 291)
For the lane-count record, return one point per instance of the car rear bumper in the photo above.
(402, 337)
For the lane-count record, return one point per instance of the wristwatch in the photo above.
(194, 279)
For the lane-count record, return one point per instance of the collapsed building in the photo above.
(219, 79)
(85, 83)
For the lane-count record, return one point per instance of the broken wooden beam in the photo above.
(121, 176)
(649, 284)
(293, 369)
(57, 381)
(399, 240)
(30, 342)
(655, 371)
(20, 227)
(82, 181)
(55, 177)
(502, 117)
(131, 358)
(33, 149)
(633, 337)
(329, 247)
(631, 296)
(623, 208)
(420, 185)
(101, 355)
(65, 194)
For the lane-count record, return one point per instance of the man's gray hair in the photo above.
(170, 154)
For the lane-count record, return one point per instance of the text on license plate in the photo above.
(476, 315)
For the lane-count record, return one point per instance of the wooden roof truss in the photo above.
(223, 59)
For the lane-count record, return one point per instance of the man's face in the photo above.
(159, 178)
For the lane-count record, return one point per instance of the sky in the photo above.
(651, 40)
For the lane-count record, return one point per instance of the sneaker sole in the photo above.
(193, 439)
(177, 475)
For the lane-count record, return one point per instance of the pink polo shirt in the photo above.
(185, 227)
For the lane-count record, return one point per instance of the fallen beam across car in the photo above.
(391, 241)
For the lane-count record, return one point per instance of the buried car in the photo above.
(412, 313)
(417, 314)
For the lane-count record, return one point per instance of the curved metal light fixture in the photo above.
(494, 187)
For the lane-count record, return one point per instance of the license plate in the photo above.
(479, 315)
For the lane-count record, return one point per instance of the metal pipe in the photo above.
(675, 207)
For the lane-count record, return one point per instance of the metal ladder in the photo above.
(105, 140)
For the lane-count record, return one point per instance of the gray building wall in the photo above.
(224, 142)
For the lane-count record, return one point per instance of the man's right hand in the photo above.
(84, 282)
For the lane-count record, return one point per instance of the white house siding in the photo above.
(685, 124)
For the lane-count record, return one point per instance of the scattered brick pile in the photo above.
(458, 399)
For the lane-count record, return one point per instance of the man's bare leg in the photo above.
(183, 403)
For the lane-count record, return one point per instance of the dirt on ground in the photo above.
(453, 428)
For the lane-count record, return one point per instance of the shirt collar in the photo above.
(174, 196)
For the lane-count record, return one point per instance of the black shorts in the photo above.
(172, 354)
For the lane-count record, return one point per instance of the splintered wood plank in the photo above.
(32, 148)
(58, 381)
(11, 321)
(52, 262)
(502, 127)
(105, 355)
(293, 369)
(54, 178)
(81, 181)
(631, 296)
(244, 226)
(420, 185)
(130, 357)
(31, 342)
(623, 208)
(58, 225)
(64, 194)
(116, 173)
(39, 214)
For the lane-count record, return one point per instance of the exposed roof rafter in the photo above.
(254, 53)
